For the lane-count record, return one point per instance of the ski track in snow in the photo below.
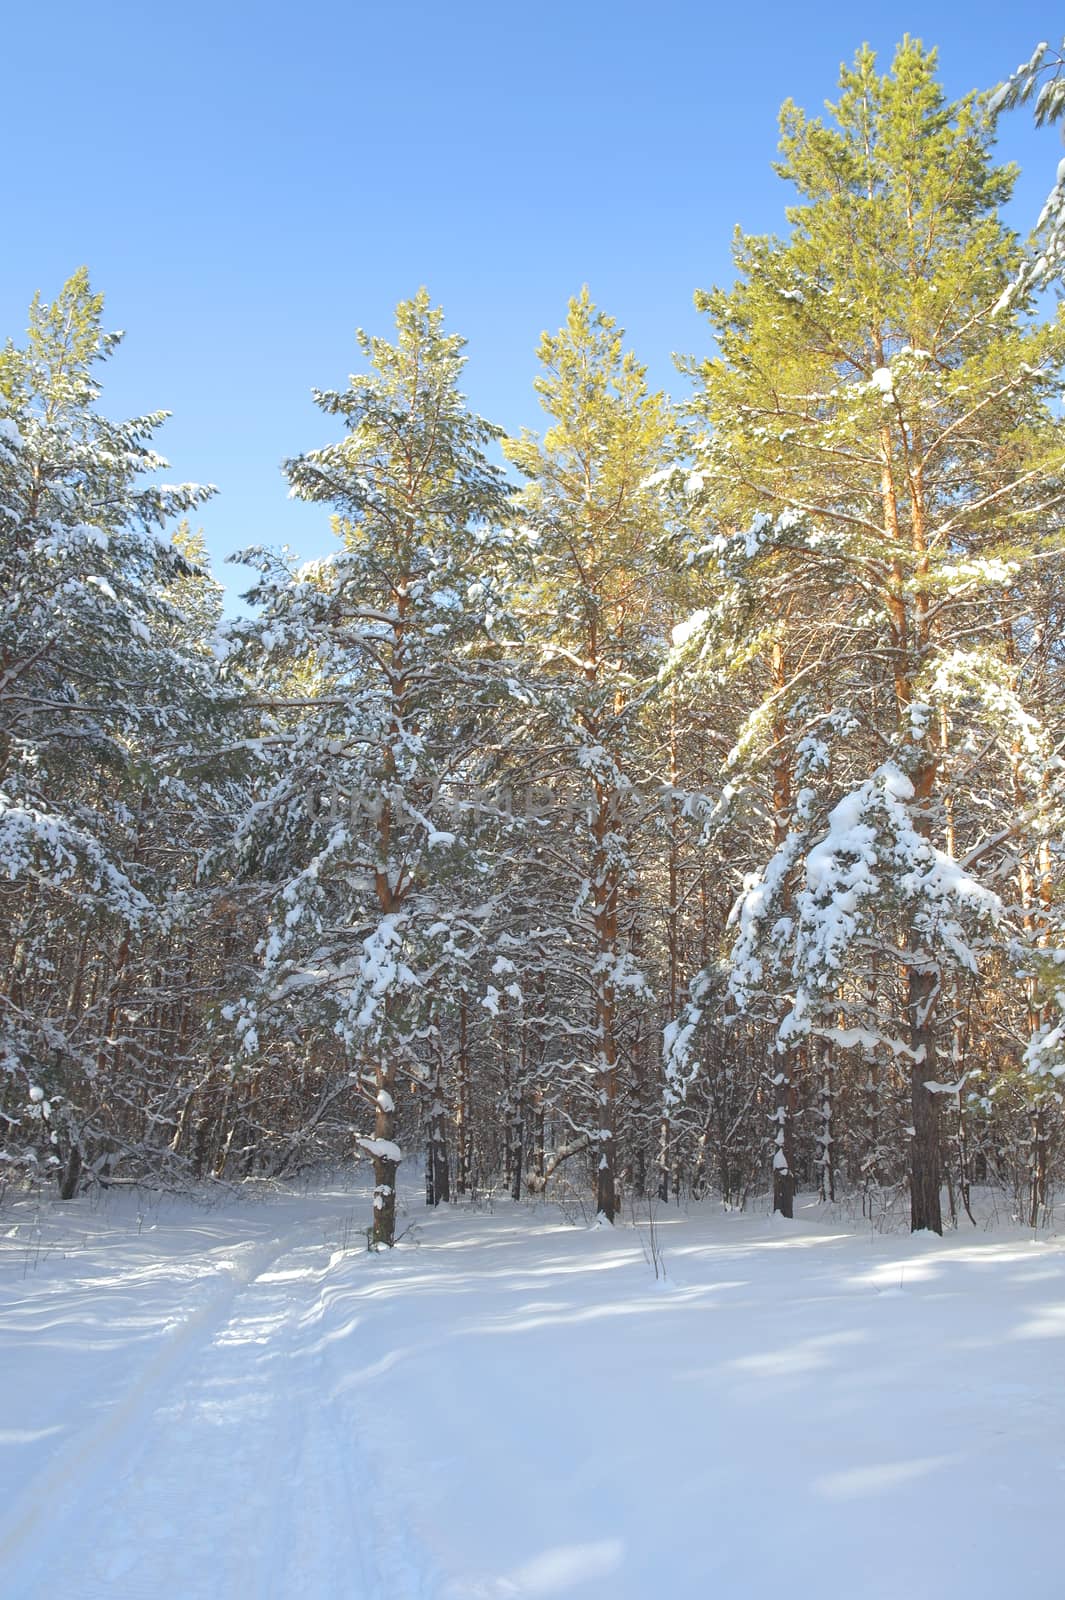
(219, 1471)
(273, 1508)
(230, 1407)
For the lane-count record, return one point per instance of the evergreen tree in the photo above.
(95, 698)
(367, 839)
(596, 525)
(882, 436)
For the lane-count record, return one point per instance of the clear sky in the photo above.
(247, 183)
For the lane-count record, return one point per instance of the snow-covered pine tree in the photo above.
(738, 778)
(595, 521)
(94, 698)
(366, 842)
(882, 438)
(1042, 80)
(1029, 700)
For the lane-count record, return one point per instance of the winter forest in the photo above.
(667, 800)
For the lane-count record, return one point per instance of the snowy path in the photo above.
(218, 1471)
(228, 1406)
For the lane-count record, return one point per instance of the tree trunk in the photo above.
(516, 1127)
(462, 1105)
(926, 1160)
(517, 1147)
(606, 890)
(384, 1202)
(1039, 1191)
(384, 1169)
(437, 1173)
(825, 1140)
(539, 1153)
(605, 1194)
(783, 1115)
(663, 1158)
(68, 1184)
(783, 1118)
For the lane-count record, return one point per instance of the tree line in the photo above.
(665, 801)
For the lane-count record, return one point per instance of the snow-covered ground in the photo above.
(240, 1403)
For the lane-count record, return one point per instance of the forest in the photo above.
(666, 801)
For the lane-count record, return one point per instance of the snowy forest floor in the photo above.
(237, 1402)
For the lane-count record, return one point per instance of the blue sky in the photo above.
(247, 183)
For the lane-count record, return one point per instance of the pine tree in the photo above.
(94, 702)
(367, 839)
(596, 521)
(882, 436)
